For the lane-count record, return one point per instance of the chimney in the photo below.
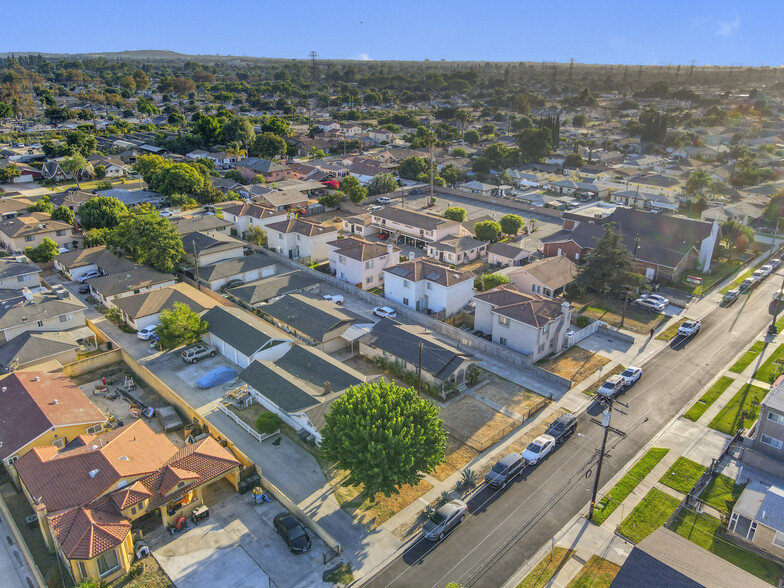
(411, 256)
(390, 248)
(327, 388)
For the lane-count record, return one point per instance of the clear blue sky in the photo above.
(716, 32)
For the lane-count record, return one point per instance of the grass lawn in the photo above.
(722, 271)
(671, 331)
(611, 500)
(683, 474)
(741, 411)
(702, 530)
(610, 310)
(547, 568)
(772, 366)
(748, 357)
(149, 575)
(576, 364)
(699, 408)
(597, 573)
(649, 515)
(613, 372)
(722, 493)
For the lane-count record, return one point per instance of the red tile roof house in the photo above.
(89, 495)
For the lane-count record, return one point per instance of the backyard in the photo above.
(650, 514)
(722, 493)
(575, 364)
(739, 412)
(699, 407)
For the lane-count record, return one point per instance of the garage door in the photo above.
(251, 276)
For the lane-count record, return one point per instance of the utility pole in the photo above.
(196, 261)
(606, 425)
(419, 387)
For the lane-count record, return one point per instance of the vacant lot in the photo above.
(576, 364)
(610, 310)
(649, 515)
(457, 455)
(699, 407)
(475, 423)
(506, 393)
(373, 514)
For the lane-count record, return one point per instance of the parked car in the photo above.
(766, 269)
(505, 470)
(730, 296)
(562, 428)
(444, 520)
(336, 298)
(777, 294)
(415, 192)
(383, 200)
(775, 262)
(375, 207)
(292, 531)
(630, 375)
(538, 449)
(748, 284)
(759, 275)
(232, 284)
(658, 298)
(384, 312)
(165, 213)
(89, 276)
(649, 304)
(197, 351)
(612, 386)
(83, 289)
(145, 333)
(689, 328)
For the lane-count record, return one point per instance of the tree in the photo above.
(207, 128)
(268, 146)
(180, 326)
(488, 231)
(411, 167)
(353, 189)
(487, 129)
(8, 173)
(472, 137)
(455, 213)
(737, 236)
(179, 178)
(400, 434)
(148, 238)
(74, 166)
(44, 252)
(64, 214)
(239, 129)
(574, 160)
(100, 171)
(452, 174)
(276, 126)
(459, 152)
(95, 237)
(511, 224)
(488, 281)
(535, 144)
(382, 184)
(101, 212)
(43, 205)
(329, 201)
(80, 142)
(774, 209)
(256, 236)
(580, 120)
(698, 180)
(608, 265)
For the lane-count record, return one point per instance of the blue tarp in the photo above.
(216, 377)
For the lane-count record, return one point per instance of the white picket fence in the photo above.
(574, 338)
(257, 436)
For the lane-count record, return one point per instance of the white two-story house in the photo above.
(247, 215)
(298, 238)
(360, 262)
(413, 228)
(425, 285)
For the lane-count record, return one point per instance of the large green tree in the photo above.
(267, 145)
(774, 209)
(353, 189)
(64, 214)
(535, 144)
(239, 129)
(511, 224)
(101, 212)
(411, 167)
(382, 184)
(8, 173)
(698, 180)
(609, 265)
(74, 166)
(400, 436)
(180, 326)
(488, 231)
(147, 238)
(737, 236)
(455, 213)
(44, 252)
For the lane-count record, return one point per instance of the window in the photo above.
(369, 264)
(502, 341)
(11, 459)
(405, 301)
(29, 238)
(776, 417)
(503, 321)
(82, 570)
(541, 347)
(546, 328)
(61, 233)
(768, 440)
(533, 288)
(369, 280)
(40, 323)
(94, 430)
(24, 278)
(429, 285)
(108, 562)
(342, 259)
(778, 540)
(406, 284)
(64, 318)
(299, 237)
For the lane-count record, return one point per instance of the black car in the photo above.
(415, 192)
(562, 428)
(505, 470)
(83, 289)
(293, 533)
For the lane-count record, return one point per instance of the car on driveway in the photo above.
(89, 276)
(415, 192)
(689, 328)
(538, 449)
(383, 200)
(658, 298)
(630, 375)
(505, 470)
(384, 312)
(292, 531)
(83, 289)
(375, 207)
(649, 304)
(145, 333)
(612, 386)
(562, 428)
(444, 520)
(730, 296)
(197, 351)
(233, 283)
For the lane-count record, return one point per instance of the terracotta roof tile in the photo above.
(86, 532)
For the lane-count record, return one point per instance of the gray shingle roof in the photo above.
(233, 267)
(273, 286)
(135, 279)
(242, 330)
(10, 268)
(280, 389)
(15, 310)
(419, 220)
(311, 316)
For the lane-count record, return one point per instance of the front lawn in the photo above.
(722, 493)
(771, 369)
(703, 531)
(610, 501)
(649, 515)
(699, 408)
(544, 571)
(597, 573)
(683, 474)
(671, 331)
(575, 364)
(741, 411)
(748, 357)
(610, 310)
(721, 271)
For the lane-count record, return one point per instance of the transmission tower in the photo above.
(571, 67)
(314, 67)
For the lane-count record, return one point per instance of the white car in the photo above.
(538, 449)
(383, 200)
(375, 207)
(777, 294)
(384, 312)
(165, 213)
(689, 328)
(759, 275)
(336, 298)
(649, 304)
(658, 298)
(631, 374)
(89, 276)
(145, 333)
(766, 269)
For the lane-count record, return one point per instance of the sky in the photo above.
(718, 32)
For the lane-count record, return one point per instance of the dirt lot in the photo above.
(508, 394)
(373, 514)
(457, 456)
(575, 364)
(610, 310)
(477, 423)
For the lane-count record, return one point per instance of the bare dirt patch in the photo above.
(373, 514)
(473, 422)
(457, 456)
(508, 394)
(576, 364)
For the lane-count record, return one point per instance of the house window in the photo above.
(64, 318)
(541, 347)
(405, 301)
(369, 264)
(299, 237)
(429, 285)
(94, 430)
(133, 510)
(61, 233)
(776, 417)
(82, 570)
(108, 562)
(546, 329)
(502, 341)
(24, 278)
(503, 321)
(406, 284)
(341, 259)
(778, 540)
(369, 280)
(768, 440)
(11, 459)
(29, 238)
(40, 323)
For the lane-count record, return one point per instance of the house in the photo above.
(18, 272)
(426, 285)
(547, 277)
(208, 247)
(664, 558)
(400, 225)
(22, 311)
(30, 230)
(71, 200)
(250, 214)
(52, 171)
(527, 323)
(247, 268)
(87, 495)
(457, 250)
(142, 310)
(271, 171)
(768, 438)
(274, 286)
(318, 322)
(203, 222)
(133, 198)
(476, 187)
(506, 254)
(75, 264)
(656, 183)
(16, 206)
(360, 262)
(361, 225)
(743, 212)
(242, 337)
(644, 200)
(113, 168)
(758, 517)
(402, 343)
(301, 386)
(38, 409)
(298, 238)
(45, 350)
(109, 288)
(282, 200)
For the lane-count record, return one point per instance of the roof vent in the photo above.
(3, 389)
(93, 473)
(35, 379)
(124, 458)
(55, 401)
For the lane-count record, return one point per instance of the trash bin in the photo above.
(109, 345)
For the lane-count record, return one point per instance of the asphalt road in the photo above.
(506, 527)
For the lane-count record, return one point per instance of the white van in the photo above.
(383, 200)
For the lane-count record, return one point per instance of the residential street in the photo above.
(506, 528)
